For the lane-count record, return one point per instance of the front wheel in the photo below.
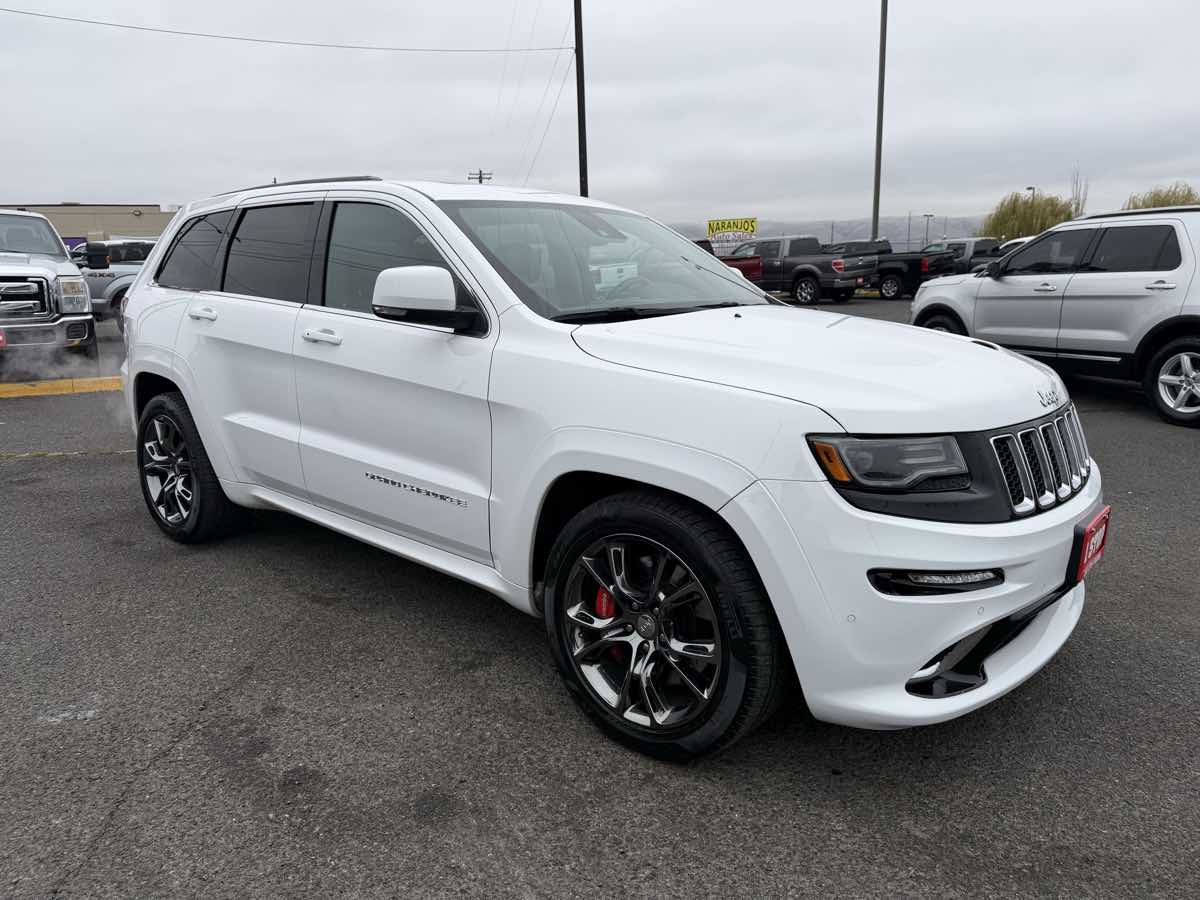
(943, 323)
(1173, 381)
(891, 287)
(659, 626)
(806, 291)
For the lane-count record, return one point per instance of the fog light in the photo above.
(892, 581)
(952, 578)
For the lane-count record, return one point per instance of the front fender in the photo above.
(702, 476)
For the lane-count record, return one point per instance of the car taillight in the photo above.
(839, 265)
(924, 265)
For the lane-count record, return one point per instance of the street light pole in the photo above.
(579, 104)
(883, 16)
(928, 216)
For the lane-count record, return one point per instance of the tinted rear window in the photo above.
(1140, 248)
(270, 252)
(191, 263)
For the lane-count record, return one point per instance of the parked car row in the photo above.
(1112, 295)
(808, 270)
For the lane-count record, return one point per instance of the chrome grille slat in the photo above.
(1043, 464)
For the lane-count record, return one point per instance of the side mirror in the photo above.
(96, 256)
(993, 269)
(423, 295)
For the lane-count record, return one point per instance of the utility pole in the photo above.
(945, 227)
(879, 117)
(831, 224)
(579, 104)
(908, 235)
(479, 176)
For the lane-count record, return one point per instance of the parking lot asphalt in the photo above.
(290, 712)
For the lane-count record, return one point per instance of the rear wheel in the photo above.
(891, 287)
(944, 323)
(179, 485)
(659, 626)
(117, 308)
(806, 291)
(1172, 381)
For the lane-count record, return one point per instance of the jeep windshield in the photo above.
(26, 234)
(585, 264)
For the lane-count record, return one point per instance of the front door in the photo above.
(395, 425)
(1021, 308)
(772, 261)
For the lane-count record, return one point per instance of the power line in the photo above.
(277, 42)
(503, 75)
(553, 110)
(545, 93)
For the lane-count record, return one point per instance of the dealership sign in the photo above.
(726, 233)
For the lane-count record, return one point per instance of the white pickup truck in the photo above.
(701, 491)
(44, 302)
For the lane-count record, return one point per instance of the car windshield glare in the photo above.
(26, 234)
(566, 260)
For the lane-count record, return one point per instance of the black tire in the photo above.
(754, 667)
(891, 287)
(210, 515)
(806, 290)
(117, 311)
(942, 322)
(1164, 362)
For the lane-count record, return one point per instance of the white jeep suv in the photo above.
(582, 412)
(1111, 295)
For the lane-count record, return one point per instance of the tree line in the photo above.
(1026, 214)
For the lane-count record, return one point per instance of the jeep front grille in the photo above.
(1044, 462)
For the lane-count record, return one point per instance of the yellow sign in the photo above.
(747, 227)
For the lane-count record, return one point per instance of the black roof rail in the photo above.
(256, 187)
(1152, 211)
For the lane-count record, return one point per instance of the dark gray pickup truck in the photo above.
(800, 266)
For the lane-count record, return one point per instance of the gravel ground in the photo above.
(290, 712)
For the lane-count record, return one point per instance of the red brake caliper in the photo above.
(605, 607)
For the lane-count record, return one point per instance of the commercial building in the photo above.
(80, 222)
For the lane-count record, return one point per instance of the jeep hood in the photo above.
(873, 377)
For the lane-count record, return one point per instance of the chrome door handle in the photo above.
(203, 312)
(1045, 289)
(324, 336)
(1160, 285)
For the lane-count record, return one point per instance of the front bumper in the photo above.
(856, 649)
(65, 331)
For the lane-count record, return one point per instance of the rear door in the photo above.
(395, 424)
(236, 342)
(772, 261)
(1021, 308)
(1136, 276)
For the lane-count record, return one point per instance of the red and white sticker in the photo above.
(1095, 539)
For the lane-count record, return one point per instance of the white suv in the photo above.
(582, 412)
(1112, 295)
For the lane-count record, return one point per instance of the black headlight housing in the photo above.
(956, 478)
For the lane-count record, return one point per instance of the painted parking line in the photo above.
(59, 386)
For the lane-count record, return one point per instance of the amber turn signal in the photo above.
(831, 462)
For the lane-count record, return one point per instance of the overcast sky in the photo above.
(695, 109)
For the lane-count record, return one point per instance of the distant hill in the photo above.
(894, 228)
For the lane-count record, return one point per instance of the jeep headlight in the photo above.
(73, 296)
(892, 463)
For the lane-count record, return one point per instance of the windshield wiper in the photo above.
(621, 313)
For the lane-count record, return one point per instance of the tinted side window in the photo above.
(191, 263)
(768, 249)
(803, 246)
(1055, 253)
(988, 247)
(364, 240)
(1138, 248)
(270, 252)
(745, 250)
(958, 249)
